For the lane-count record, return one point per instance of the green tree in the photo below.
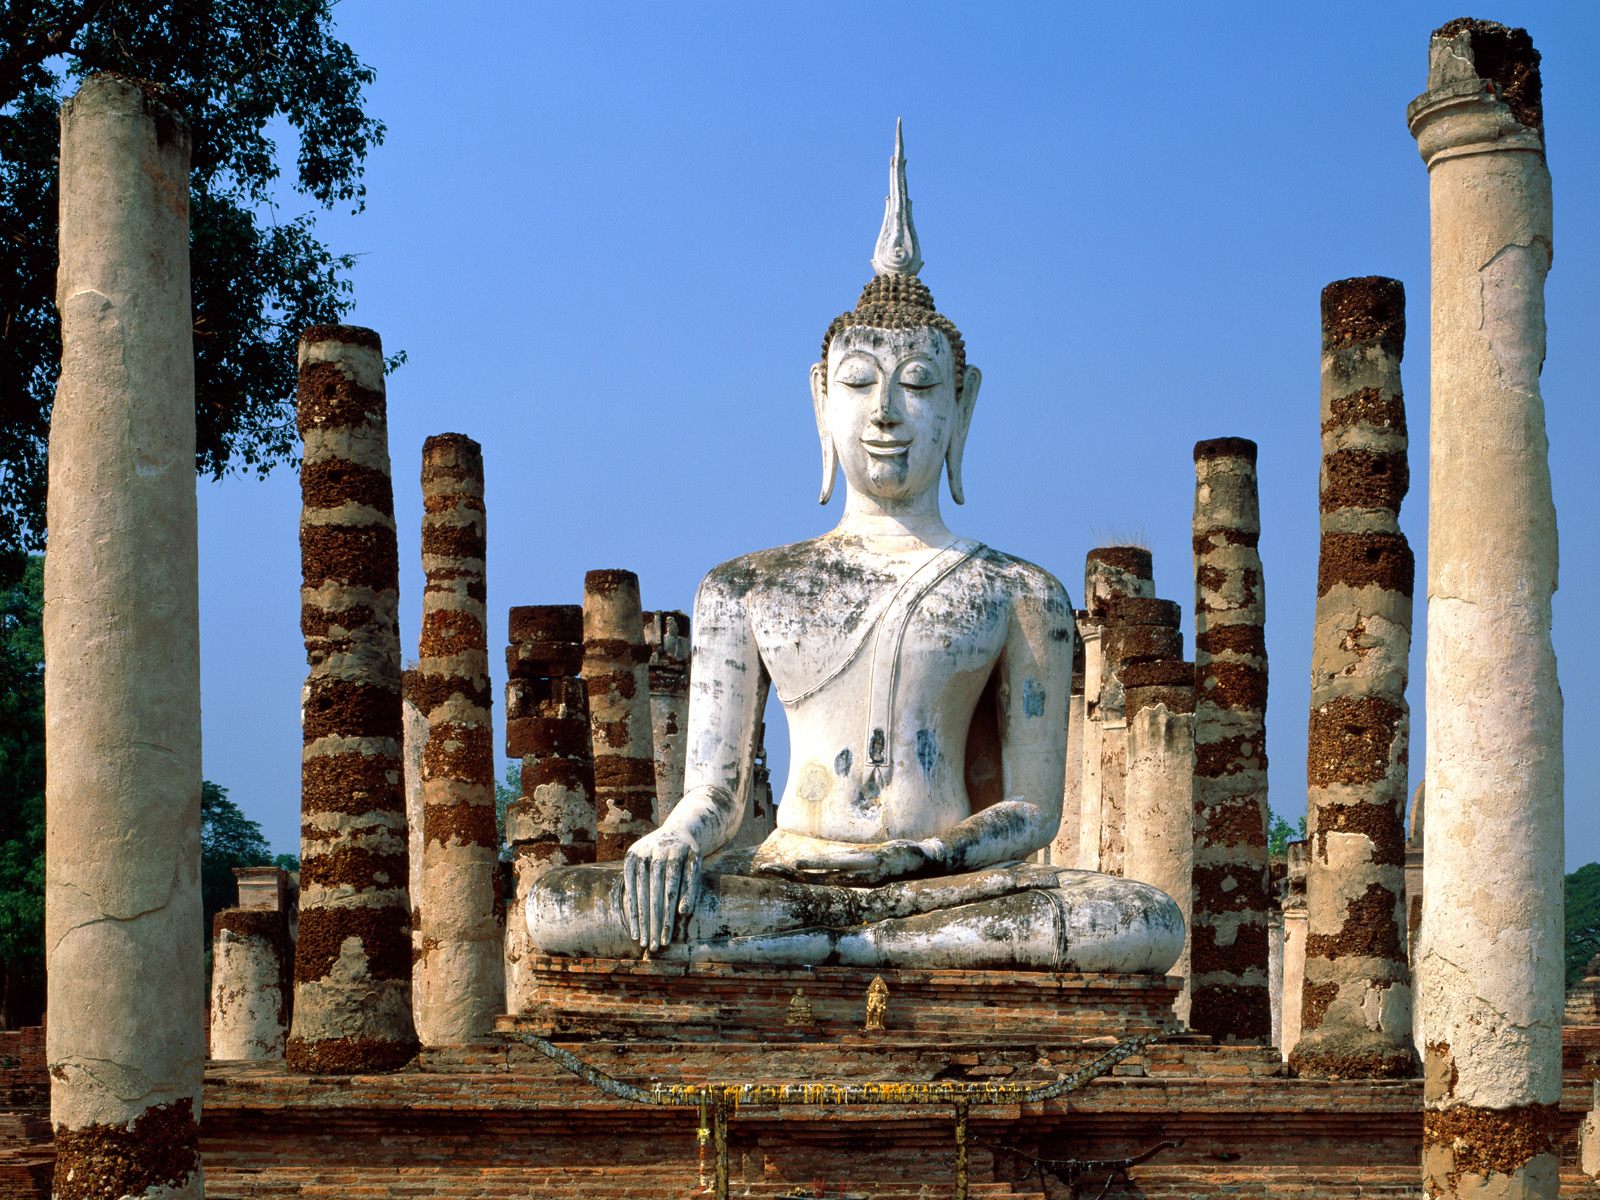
(22, 797)
(1280, 833)
(242, 70)
(506, 792)
(228, 839)
(1582, 889)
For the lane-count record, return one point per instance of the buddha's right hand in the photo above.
(660, 881)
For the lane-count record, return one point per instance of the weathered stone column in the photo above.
(1228, 949)
(250, 987)
(125, 1039)
(1137, 630)
(1275, 969)
(1108, 571)
(352, 963)
(552, 823)
(459, 974)
(667, 636)
(1490, 977)
(615, 668)
(1063, 848)
(413, 740)
(1294, 947)
(1159, 700)
(1356, 1015)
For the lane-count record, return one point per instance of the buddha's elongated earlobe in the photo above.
(958, 437)
(830, 453)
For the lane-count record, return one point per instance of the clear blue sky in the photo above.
(609, 239)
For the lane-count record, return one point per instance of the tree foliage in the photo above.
(22, 796)
(1280, 833)
(243, 71)
(228, 839)
(1582, 889)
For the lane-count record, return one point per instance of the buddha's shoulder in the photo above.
(816, 563)
(824, 563)
(1022, 579)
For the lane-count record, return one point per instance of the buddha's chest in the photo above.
(886, 635)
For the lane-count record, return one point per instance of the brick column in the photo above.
(667, 636)
(1294, 947)
(552, 824)
(1356, 1014)
(1108, 571)
(1489, 981)
(1137, 630)
(615, 668)
(352, 964)
(121, 640)
(1063, 848)
(1159, 700)
(250, 987)
(459, 975)
(1228, 949)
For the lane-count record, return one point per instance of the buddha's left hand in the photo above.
(874, 864)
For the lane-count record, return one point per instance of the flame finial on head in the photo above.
(897, 251)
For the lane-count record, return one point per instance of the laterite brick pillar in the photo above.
(1159, 699)
(459, 976)
(1108, 572)
(125, 1041)
(552, 823)
(1137, 630)
(1356, 1012)
(616, 670)
(1489, 981)
(1229, 997)
(667, 636)
(352, 963)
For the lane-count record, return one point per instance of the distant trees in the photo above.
(1582, 889)
(22, 796)
(242, 70)
(228, 838)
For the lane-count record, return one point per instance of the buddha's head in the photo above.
(893, 393)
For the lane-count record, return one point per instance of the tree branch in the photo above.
(37, 45)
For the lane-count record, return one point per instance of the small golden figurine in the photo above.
(800, 1013)
(877, 1004)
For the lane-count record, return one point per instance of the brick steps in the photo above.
(1196, 1181)
(656, 1182)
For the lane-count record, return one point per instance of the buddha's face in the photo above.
(889, 407)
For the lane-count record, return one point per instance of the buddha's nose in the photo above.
(886, 407)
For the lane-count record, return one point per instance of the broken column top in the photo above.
(1143, 610)
(1226, 447)
(1499, 56)
(546, 623)
(1368, 308)
(110, 89)
(458, 442)
(350, 335)
(1135, 560)
(608, 580)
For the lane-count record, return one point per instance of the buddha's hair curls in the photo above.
(899, 302)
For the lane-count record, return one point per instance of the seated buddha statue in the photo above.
(924, 677)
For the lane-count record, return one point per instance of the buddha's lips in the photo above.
(885, 449)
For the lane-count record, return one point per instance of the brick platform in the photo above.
(487, 1120)
(26, 1156)
(497, 1120)
(606, 998)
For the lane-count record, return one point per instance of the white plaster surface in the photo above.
(1160, 813)
(247, 1000)
(122, 689)
(1490, 971)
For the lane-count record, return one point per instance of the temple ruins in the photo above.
(1008, 928)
